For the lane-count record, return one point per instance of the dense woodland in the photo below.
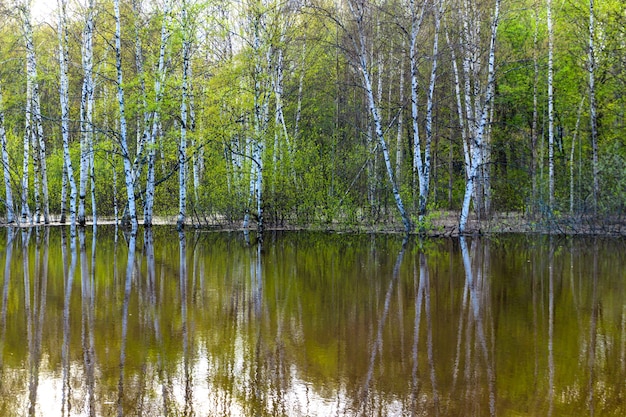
(312, 112)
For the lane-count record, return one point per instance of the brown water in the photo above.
(313, 325)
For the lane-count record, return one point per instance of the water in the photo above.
(313, 324)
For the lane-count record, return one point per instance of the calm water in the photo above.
(313, 325)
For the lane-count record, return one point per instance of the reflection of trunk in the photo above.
(11, 233)
(36, 314)
(377, 344)
(155, 302)
(65, 352)
(87, 317)
(422, 296)
(551, 327)
(182, 252)
(593, 332)
(127, 289)
(478, 296)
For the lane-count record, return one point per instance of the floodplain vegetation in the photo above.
(432, 116)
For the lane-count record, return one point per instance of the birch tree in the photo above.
(86, 111)
(358, 9)
(65, 108)
(34, 120)
(480, 108)
(158, 89)
(182, 148)
(550, 109)
(8, 196)
(262, 60)
(422, 163)
(593, 112)
(126, 159)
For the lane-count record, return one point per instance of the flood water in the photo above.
(312, 324)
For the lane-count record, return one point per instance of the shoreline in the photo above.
(435, 224)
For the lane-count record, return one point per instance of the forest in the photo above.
(275, 113)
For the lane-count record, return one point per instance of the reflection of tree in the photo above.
(35, 312)
(68, 272)
(183, 282)
(478, 323)
(130, 264)
(422, 296)
(376, 345)
(593, 331)
(87, 317)
(11, 234)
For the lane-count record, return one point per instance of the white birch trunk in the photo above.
(296, 129)
(418, 164)
(65, 108)
(459, 107)
(359, 46)
(8, 196)
(158, 89)
(400, 121)
(30, 79)
(550, 111)
(571, 157)
(40, 144)
(86, 112)
(128, 170)
(535, 121)
(182, 148)
(424, 175)
(593, 113)
(477, 138)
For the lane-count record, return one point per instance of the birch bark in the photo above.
(593, 112)
(65, 108)
(128, 171)
(357, 9)
(477, 136)
(86, 112)
(550, 110)
(182, 148)
(158, 89)
(417, 17)
(8, 196)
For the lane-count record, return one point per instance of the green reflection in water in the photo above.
(311, 324)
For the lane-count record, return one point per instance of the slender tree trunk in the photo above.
(8, 196)
(158, 89)
(535, 121)
(30, 79)
(477, 138)
(65, 108)
(359, 46)
(182, 148)
(593, 112)
(399, 146)
(86, 112)
(418, 164)
(551, 207)
(425, 173)
(571, 157)
(459, 108)
(128, 170)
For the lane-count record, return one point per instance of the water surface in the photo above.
(311, 324)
